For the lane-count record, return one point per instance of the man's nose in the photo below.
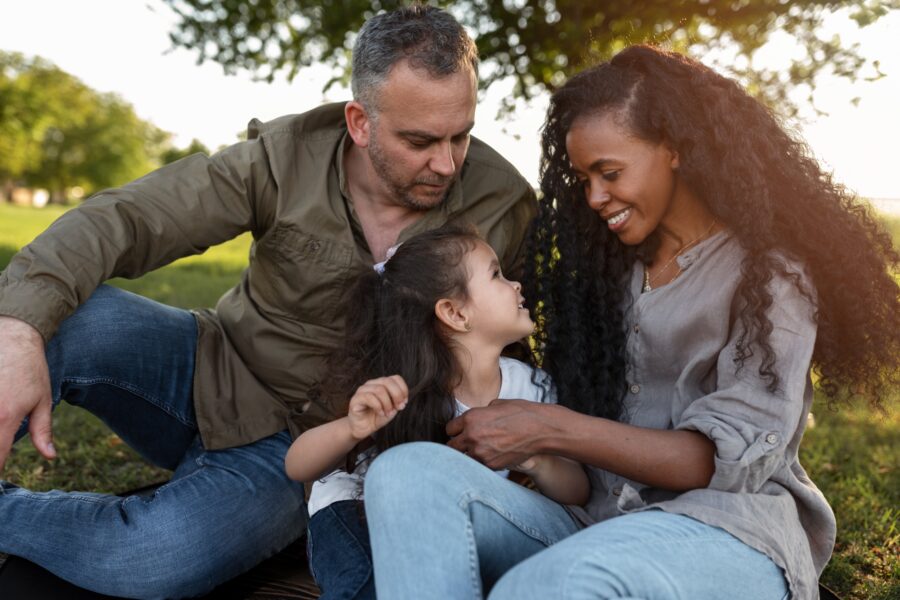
(442, 162)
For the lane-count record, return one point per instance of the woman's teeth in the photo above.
(619, 217)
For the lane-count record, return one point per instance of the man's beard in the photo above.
(403, 192)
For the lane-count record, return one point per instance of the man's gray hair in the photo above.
(426, 36)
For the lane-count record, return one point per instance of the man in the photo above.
(212, 395)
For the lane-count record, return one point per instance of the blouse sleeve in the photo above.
(750, 425)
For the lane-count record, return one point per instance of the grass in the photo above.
(852, 453)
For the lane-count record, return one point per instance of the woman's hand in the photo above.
(507, 432)
(375, 403)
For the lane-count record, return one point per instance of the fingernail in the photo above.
(51, 448)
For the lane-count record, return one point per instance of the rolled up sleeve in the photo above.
(750, 425)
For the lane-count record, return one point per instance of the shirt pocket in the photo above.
(304, 275)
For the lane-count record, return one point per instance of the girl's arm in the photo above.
(557, 478)
(319, 450)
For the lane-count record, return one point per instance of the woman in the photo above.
(689, 265)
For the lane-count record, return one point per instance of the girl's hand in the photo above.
(528, 466)
(375, 404)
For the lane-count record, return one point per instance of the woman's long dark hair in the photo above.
(392, 330)
(757, 180)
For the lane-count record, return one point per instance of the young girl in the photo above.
(423, 344)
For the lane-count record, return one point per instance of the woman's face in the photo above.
(631, 183)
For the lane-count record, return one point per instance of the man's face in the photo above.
(420, 134)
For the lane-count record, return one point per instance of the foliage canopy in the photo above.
(538, 43)
(57, 133)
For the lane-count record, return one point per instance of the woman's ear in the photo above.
(451, 313)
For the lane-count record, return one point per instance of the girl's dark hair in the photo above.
(757, 180)
(392, 330)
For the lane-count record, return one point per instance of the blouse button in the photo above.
(637, 328)
(617, 491)
(635, 388)
(772, 439)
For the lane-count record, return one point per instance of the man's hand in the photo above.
(24, 387)
(507, 432)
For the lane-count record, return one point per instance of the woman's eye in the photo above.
(611, 175)
(496, 273)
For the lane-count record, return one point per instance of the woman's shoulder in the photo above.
(522, 381)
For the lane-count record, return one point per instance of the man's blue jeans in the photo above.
(130, 361)
(443, 526)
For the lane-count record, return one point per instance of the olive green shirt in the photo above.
(263, 347)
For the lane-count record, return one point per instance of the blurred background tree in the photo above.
(538, 43)
(58, 134)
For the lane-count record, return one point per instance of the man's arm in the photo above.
(176, 211)
(179, 210)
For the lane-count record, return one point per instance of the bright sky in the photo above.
(122, 46)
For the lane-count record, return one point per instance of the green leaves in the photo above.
(536, 42)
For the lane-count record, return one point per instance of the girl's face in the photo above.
(629, 182)
(495, 305)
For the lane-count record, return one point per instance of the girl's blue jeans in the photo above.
(484, 535)
(340, 557)
(130, 361)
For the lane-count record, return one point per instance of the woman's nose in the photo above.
(598, 198)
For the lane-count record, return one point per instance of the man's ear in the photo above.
(358, 123)
(451, 314)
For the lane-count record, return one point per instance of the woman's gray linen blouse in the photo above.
(682, 375)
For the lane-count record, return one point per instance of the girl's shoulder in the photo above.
(522, 381)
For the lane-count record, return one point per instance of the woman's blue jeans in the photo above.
(130, 361)
(443, 526)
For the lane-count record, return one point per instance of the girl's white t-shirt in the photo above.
(516, 383)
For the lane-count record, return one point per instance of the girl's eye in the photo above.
(611, 175)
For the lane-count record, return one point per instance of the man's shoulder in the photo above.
(325, 122)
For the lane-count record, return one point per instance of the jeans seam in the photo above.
(473, 560)
(469, 498)
(131, 390)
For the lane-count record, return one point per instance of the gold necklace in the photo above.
(648, 281)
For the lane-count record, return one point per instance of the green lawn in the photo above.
(851, 453)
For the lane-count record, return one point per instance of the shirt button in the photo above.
(635, 388)
(772, 439)
(617, 491)
(637, 328)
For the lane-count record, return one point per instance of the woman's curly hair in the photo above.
(756, 179)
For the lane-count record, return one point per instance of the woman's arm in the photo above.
(557, 478)
(509, 431)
